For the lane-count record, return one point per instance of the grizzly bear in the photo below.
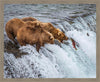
(12, 27)
(25, 19)
(60, 36)
(38, 36)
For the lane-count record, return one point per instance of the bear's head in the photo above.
(47, 36)
(61, 36)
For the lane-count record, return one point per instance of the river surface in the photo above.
(59, 60)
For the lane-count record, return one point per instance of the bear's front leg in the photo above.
(11, 37)
(38, 45)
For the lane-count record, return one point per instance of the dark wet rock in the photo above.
(87, 34)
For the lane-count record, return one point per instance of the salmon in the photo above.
(74, 44)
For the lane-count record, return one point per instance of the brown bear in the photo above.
(12, 27)
(38, 36)
(25, 19)
(60, 36)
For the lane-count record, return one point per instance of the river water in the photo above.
(59, 60)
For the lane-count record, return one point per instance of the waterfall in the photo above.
(59, 60)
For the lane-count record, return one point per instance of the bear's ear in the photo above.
(51, 37)
(59, 33)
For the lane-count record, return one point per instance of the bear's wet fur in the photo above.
(60, 36)
(42, 32)
(12, 27)
(25, 19)
(38, 36)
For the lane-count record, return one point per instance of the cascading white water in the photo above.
(59, 60)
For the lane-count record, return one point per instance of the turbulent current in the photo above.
(59, 60)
